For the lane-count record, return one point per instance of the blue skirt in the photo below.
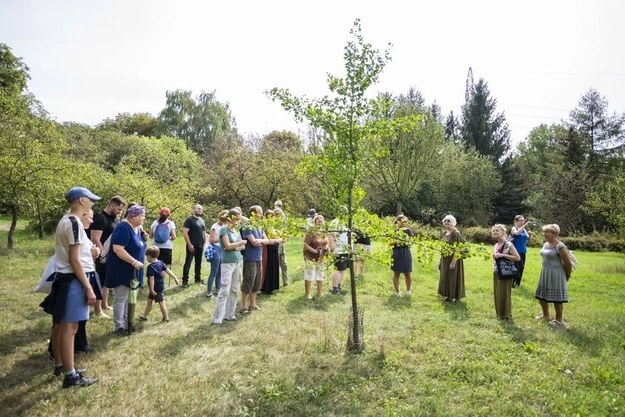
(76, 306)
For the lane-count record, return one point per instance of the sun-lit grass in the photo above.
(422, 356)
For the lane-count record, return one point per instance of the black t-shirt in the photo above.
(197, 230)
(104, 222)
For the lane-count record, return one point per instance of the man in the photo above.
(103, 225)
(252, 260)
(194, 232)
(72, 292)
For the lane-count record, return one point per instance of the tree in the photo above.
(402, 159)
(345, 118)
(139, 124)
(198, 121)
(481, 127)
(603, 134)
(452, 128)
(13, 72)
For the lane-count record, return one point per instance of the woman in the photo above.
(271, 268)
(163, 232)
(316, 245)
(215, 275)
(554, 274)
(502, 287)
(520, 235)
(231, 268)
(124, 264)
(402, 257)
(451, 282)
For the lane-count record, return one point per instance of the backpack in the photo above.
(161, 233)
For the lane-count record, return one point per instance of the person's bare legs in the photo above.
(408, 277)
(559, 310)
(545, 306)
(66, 344)
(396, 281)
(307, 288)
(148, 308)
(319, 288)
(164, 310)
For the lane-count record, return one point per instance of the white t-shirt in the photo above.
(70, 231)
(341, 244)
(168, 244)
(216, 227)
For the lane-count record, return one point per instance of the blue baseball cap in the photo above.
(78, 192)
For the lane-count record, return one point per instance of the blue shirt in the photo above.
(120, 272)
(252, 253)
(156, 269)
(520, 241)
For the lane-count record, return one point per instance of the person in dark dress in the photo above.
(402, 258)
(271, 282)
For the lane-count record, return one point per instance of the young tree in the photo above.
(139, 124)
(481, 127)
(346, 118)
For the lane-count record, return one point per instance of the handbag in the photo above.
(507, 269)
(209, 252)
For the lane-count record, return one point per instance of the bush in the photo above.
(594, 243)
(477, 234)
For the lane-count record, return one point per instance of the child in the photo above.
(156, 282)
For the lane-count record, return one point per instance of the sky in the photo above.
(90, 60)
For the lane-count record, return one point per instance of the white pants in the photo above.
(120, 307)
(227, 296)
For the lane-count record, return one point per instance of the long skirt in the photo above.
(272, 270)
(503, 297)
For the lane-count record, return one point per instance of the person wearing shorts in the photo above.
(316, 245)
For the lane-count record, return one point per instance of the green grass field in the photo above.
(422, 357)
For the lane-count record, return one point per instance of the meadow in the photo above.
(422, 356)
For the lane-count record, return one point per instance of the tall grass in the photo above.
(422, 356)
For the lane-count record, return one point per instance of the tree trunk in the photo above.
(40, 218)
(12, 227)
(399, 208)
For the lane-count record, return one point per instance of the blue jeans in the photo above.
(215, 275)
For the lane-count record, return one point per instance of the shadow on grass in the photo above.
(202, 334)
(517, 333)
(301, 304)
(394, 302)
(10, 342)
(457, 310)
(28, 379)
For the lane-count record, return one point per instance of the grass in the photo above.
(422, 356)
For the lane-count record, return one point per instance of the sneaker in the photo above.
(185, 285)
(143, 318)
(199, 282)
(231, 318)
(397, 294)
(408, 293)
(78, 380)
(209, 294)
(166, 319)
(309, 297)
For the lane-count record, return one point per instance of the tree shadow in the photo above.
(517, 333)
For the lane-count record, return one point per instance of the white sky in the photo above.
(93, 59)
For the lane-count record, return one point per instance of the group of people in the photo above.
(95, 255)
(554, 275)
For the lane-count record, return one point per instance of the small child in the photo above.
(156, 282)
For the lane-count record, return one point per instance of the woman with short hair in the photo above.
(451, 281)
(316, 245)
(520, 236)
(124, 264)
(554, 274)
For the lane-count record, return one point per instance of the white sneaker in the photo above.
(309, 297)
(397, 294)
(408, 293)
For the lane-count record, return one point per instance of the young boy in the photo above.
(156, 282)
